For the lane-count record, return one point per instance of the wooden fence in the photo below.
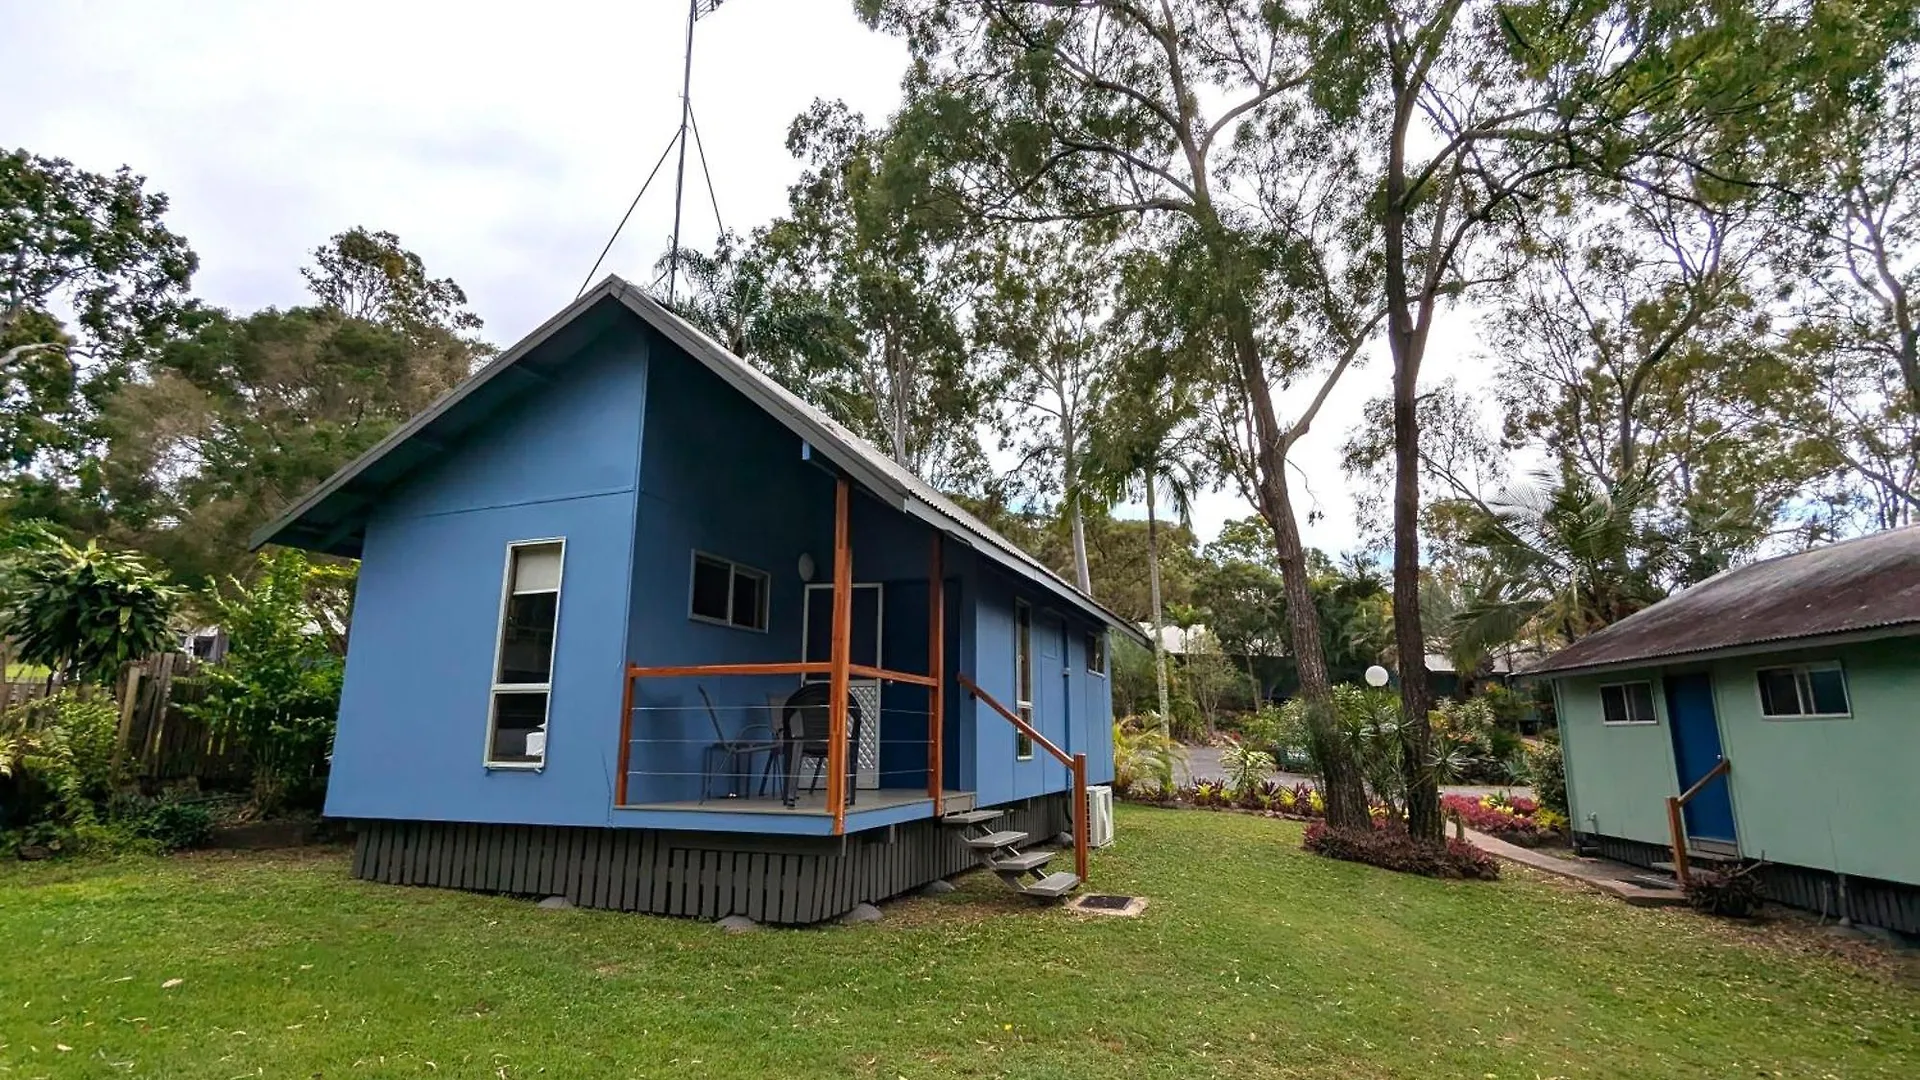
(159, 740)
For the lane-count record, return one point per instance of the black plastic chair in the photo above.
(731, 749)
(806, 729)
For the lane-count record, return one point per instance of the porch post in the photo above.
(936, 667)
(841, 657)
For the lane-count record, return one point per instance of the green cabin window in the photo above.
(728, 593)
(1802, 691)
(1023, 676)
(1627, 703)
(523, 662)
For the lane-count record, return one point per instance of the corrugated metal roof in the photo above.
(1865, 584)
(331, 517)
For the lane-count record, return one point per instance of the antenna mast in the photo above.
(695, 9)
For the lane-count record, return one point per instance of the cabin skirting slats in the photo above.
(774, 879)
(1870, 901)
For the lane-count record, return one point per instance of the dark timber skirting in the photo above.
(706, 875)
(1887, 904)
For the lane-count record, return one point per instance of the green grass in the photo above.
(1252, 960)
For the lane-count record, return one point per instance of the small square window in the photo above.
(1097, 652)
(728, 593)
(1627, 703)
(1779, 692)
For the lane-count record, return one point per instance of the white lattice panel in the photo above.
(867, 754)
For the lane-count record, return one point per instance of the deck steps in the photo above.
(1054, 885)
(1020, 864)
(993, 841)
(1703, 858)
(999, 851)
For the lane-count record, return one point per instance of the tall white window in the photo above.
(523, 664)
(1023, 676)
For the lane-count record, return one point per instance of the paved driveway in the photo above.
(1205, 761)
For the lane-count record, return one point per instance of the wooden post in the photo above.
(841, 657)
(626, 735)
(130, 693)
(936, 667)
(1676, 826)
(1082, 817)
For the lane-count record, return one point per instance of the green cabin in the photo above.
(1785, 696)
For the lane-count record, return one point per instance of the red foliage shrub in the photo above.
(1511, 819)
(1394, 849)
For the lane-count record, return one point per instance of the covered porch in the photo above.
(719, 744)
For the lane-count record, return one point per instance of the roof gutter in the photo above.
(1751, 648)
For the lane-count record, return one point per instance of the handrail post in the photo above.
(936, 667)
(842, 656)
(626, 735)
(1082, 817)
(1678, 829)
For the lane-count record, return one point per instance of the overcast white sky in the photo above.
(500, 143)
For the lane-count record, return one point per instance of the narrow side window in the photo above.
(523, 662)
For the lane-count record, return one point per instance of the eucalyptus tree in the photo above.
(861, 235)
(1641, 351)
(1477, 111)
(1046, 323)
(1181, 120)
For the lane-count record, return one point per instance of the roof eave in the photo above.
(1904, 628)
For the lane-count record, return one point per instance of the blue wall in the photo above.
(561, 462)
(638, 456)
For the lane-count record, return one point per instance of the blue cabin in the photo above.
(638, 626)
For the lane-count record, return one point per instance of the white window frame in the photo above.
(734, 569)
(495, 687)
(1804, 690)
(1023, 681)
(1652, 702)
(1105, 651)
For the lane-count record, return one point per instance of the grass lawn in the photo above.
(1252, 960)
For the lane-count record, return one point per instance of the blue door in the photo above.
(1696, 750)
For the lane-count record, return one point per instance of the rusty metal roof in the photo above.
(1871, 583)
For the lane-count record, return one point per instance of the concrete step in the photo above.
(1059, 883)
(994, 840)
(971, 817)
(1018, 864)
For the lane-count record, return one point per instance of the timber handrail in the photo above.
(1676, 822)
(1075, 762)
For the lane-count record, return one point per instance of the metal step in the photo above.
(971, 817)
(995, 839)
(1697, 858)
(1019, 864)
(1059, 883)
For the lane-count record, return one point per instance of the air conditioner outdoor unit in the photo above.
(1099, 815)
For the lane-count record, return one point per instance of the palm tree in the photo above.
(1145, 443)
(1557, 560)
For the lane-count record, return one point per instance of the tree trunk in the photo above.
(1070, 485)
(1407, 342)
(1153, 599)
(1340, 782)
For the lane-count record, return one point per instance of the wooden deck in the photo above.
(815, 803)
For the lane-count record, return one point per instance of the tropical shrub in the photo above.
(278, 690)
(1246, 768)
(1734, 894)
(1468, 743)
(1547, 770)
(56, 759)
(174, 825)
(1512, 818)
(1144, 759)
(83, 612)
(1390, 847)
